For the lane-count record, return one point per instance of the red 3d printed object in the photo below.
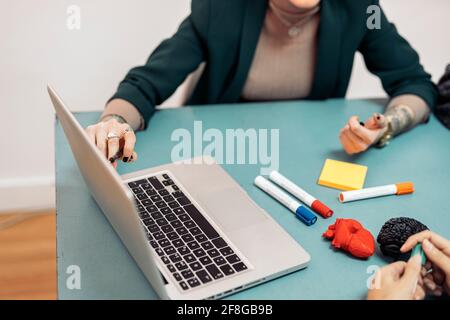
(349, 235)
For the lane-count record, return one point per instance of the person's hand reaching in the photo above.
(437, 270)
(114, 139)
(357, 137)
(398, 281)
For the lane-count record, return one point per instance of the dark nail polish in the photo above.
(362, 123)
(125, 159)
(117, 156)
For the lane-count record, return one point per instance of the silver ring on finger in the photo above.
(112, 135)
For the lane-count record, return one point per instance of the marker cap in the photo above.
(305, 215)
(321, 209)
(404, 188)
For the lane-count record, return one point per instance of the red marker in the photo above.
(301, 194)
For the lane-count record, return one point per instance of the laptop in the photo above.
(192, 230)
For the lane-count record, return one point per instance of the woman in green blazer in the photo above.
(259, 50)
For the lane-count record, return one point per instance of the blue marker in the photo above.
(301, 212)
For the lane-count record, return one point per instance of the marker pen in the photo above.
(418, 250)
(300, 211)
(398, 189)
(381, 123)
(378, 121)
(301, 194)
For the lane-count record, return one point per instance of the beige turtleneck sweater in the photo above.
(283, 65)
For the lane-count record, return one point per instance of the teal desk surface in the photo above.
(308, 135)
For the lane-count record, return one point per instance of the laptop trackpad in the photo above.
(232, 209)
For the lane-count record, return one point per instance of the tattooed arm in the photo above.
(405, 112)
(402, 114)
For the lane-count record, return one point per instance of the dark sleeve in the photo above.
(168, 66)
(389, 56)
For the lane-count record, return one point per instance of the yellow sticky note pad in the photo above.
(342, 175)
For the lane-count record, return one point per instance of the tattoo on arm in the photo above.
(401, 118)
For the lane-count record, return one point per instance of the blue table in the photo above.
(308, 135)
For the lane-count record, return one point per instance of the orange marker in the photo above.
(367, 193)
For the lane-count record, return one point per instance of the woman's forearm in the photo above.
(125, 110)
(405, 112)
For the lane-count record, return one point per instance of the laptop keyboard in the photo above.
(187, 244)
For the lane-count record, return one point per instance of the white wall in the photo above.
(425, 25)
(86, 65)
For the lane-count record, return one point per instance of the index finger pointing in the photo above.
(437, 240)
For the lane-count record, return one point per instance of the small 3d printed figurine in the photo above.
(349, 235)
(394, 234)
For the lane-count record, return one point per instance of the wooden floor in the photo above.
(28, 258)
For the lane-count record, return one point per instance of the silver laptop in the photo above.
(193, 231)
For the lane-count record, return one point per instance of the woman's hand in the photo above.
(357, 137)
(114, 139)
(437, 250)
(398, 281)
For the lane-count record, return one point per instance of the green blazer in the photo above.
(224, 34)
